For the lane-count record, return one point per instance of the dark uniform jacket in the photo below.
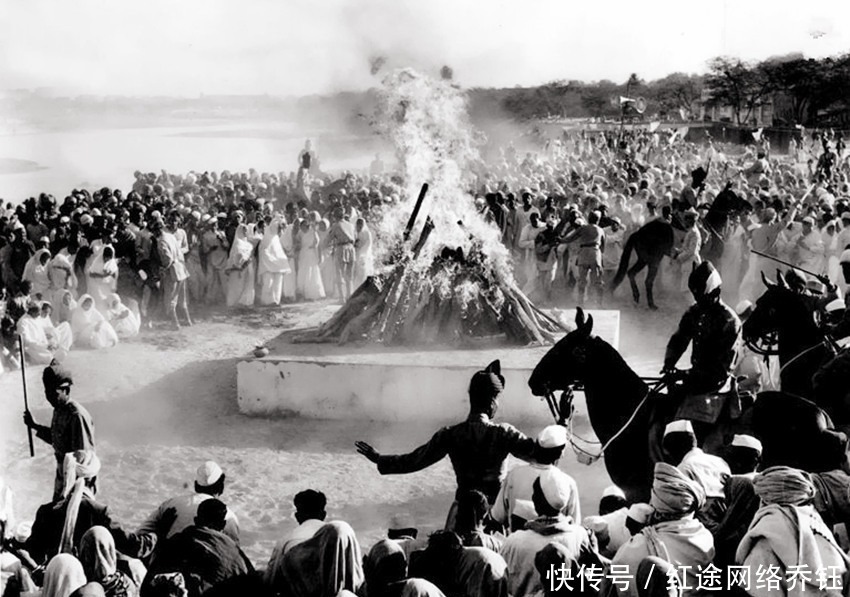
(477, 448)
(715, 331)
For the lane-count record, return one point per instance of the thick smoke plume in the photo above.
(426, 121)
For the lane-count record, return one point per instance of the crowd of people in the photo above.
(711, 524)
(97, 267)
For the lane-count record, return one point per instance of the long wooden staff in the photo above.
(26, 398)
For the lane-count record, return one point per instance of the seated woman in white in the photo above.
(91, 330)
(37, 348)
(124, 321)
(60, 334)
(65, 305)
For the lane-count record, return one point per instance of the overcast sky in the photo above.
(298, 47)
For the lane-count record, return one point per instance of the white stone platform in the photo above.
(392, 384)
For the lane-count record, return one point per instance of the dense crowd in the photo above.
(711, 524)
(96, 267)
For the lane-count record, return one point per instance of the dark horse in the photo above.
(651, 242)
(614, 394)
(726, 204)
(809, 364)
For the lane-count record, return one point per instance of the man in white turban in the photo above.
(60, 525)
(673, 534)
(788, 535)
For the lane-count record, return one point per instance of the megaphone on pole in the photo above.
(639, 103)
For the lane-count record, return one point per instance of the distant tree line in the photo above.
(805, 91)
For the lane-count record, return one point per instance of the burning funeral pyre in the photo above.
(445, 277)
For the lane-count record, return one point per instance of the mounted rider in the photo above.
(816, 292)
(715, 331)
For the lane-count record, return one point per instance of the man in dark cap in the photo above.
(71, 428)
(715, 331)
(477, 447)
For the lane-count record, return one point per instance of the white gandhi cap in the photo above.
(747, 441)
(613, 490)
(555, 488)
(524, 509)
(835, 305)
(640, 512)
(208, 473)
(553, 436)
(680, 426)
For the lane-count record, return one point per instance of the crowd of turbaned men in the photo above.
(711, 525)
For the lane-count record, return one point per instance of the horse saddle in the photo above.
(709, 406)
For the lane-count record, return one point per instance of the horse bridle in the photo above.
(656, 384)
(567, 395)
(766, 345)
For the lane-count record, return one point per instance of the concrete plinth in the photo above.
(393, 385)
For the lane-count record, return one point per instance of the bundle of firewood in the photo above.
(455, 298)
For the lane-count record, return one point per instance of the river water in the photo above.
(34, 161)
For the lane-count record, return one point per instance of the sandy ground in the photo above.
(165, 402)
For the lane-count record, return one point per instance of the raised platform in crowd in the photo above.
(379, 383)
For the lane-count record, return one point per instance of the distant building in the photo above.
(714, 111)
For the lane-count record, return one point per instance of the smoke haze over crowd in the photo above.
(301, 47)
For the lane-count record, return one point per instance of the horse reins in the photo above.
(657, 384)
(823, 342)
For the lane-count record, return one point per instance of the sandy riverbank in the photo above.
(166, 401)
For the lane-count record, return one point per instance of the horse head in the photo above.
(768, 314)
(562, 366)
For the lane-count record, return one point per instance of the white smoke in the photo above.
(427, 122)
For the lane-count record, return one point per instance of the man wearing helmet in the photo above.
(714, 329)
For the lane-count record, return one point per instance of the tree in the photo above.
(446, 73)
(742, 86)
(596, 99)
(678, 92)
(800, 81)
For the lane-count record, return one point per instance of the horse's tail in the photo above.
(624, 260)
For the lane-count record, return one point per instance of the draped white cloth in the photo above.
(124, 321)
(364, 262)
(240, 270)
(101, 277)
(63, 306)
(37, 273)
(273, 266)
(61, 273)
(309, 281)
(58, 335)
(36, 344)
(90, 327)
(289, 278)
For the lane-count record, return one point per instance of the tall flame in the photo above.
(427, 122)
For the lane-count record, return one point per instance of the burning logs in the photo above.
(455, 299)
(453, 283)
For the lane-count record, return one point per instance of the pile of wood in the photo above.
(455, 299)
